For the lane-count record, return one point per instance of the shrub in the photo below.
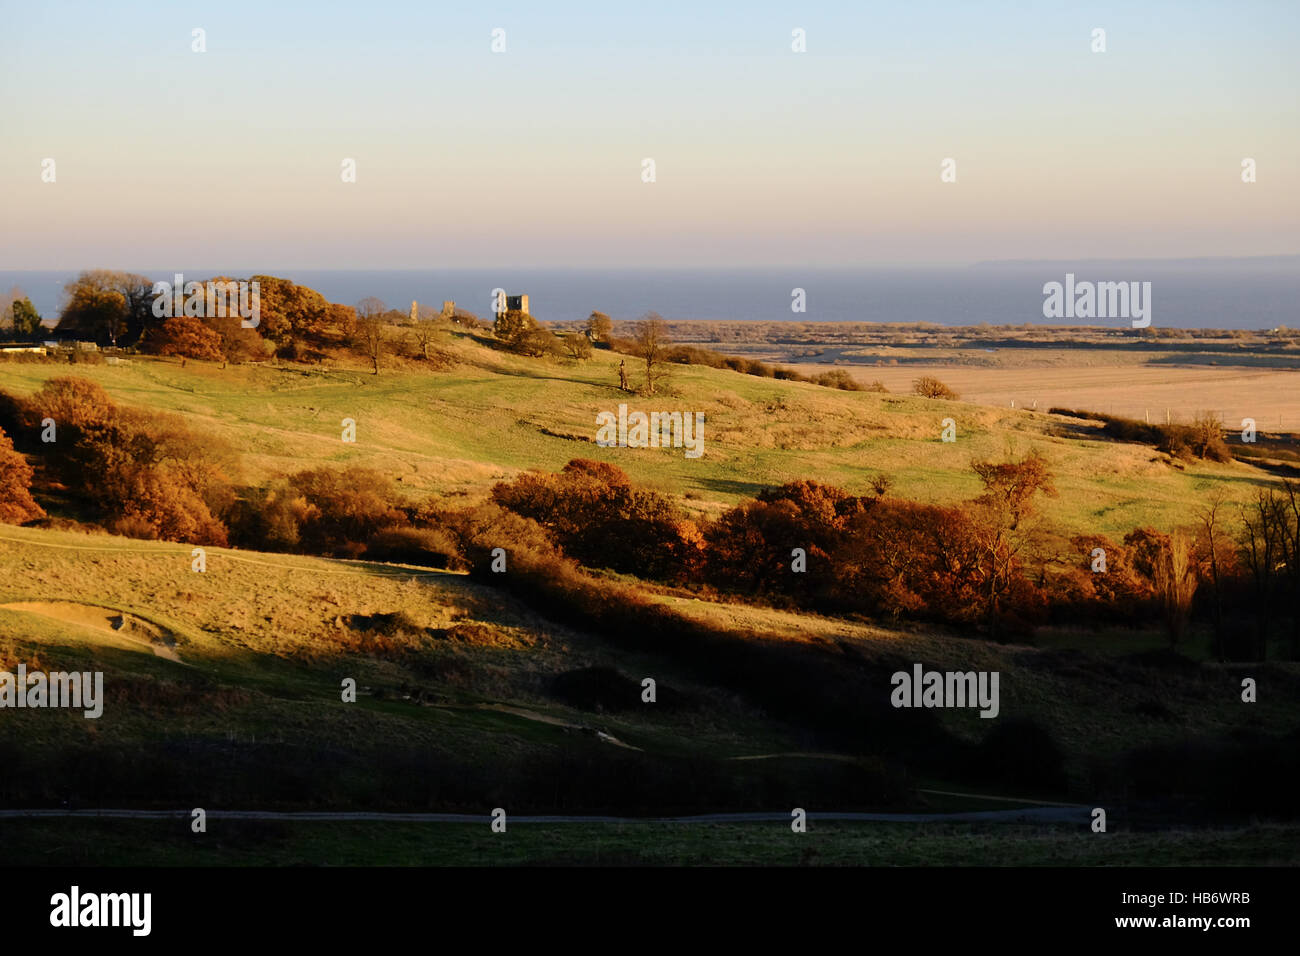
(430, 547)
(578, 346)
(839, 378)
(1201, 439)
(510, 327)
(272, 519)
(348, 507)
(539, 342)
(929, 387)
(481, 530)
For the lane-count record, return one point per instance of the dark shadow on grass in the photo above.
(731, 486)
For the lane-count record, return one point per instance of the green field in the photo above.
(492, 414)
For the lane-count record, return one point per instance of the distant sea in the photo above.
(1257, 293)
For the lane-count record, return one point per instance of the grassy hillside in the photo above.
(266, 639)
(492, 414)
(223, 691)
(224, 687)
(280, 632)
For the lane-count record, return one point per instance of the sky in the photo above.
(232, 158)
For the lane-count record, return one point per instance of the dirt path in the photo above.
(554, 721)
(128, 629)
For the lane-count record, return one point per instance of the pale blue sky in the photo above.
(533, 157)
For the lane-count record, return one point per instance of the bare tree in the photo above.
(1175, 581)
(1206, 437)
(370, 328)
(423, 333)
(1262, 550)
(1288, 532)
(650, 344)
(1212, 545)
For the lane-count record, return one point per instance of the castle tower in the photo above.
(516, 303)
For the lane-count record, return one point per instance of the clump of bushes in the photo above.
(141, 474)
(520, 332)
(320, 511)
(838, 378)
(1203, 438)
(596, 516)
(869, 554)
(428, 547)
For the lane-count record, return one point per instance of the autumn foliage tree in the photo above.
(16, 503)
(1100, 582)
(599, 326)
(868, 553)
(751, 546)
(295, 316)
(235, 341)
(1170, 563)
(187, 337)
(997, 520)
(1010, 486)
(1205, 436)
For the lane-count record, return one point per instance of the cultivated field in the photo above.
(1132, 389)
